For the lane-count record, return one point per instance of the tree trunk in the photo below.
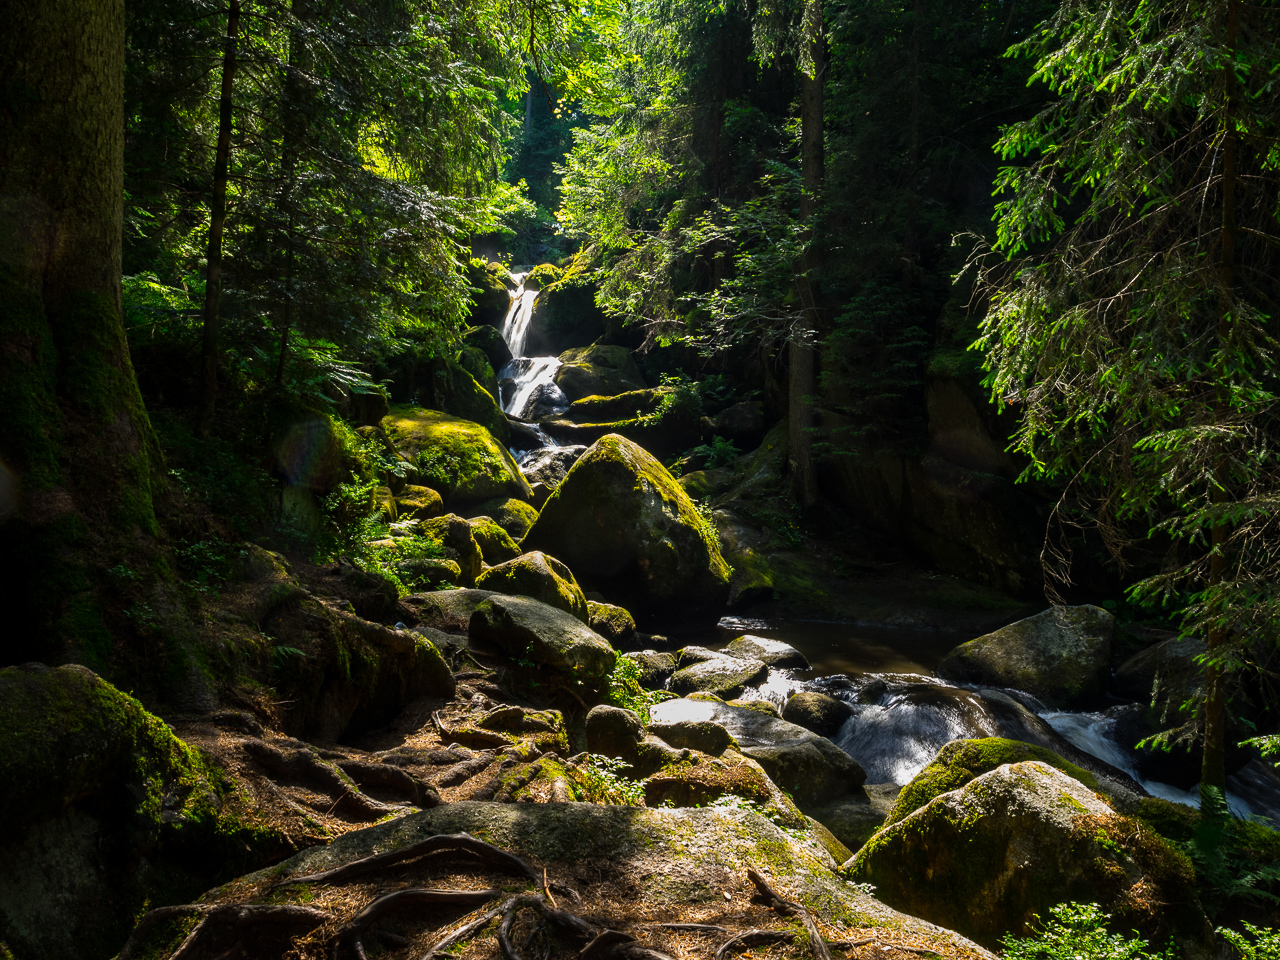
(802, 351)
(217, 220)
(1213, 771)
(77, 456)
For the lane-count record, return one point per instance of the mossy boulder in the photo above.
(960, 761)
(543, 275)
(564, 316)
(613, 623)
(511, 514)
(614, 732)
(428, 572)
(493, 297)
(488, 340)
(773, 652)
(1061, 655)
(457, 538)
(706, 484)
(539, 577)
(653, 667)
(623, 523)
(623, 406)
(818, 712)
(856, 817)
(724, 676)
(706, 736)
(418, 503)
(107, 814)
(446, 610)
(549, 465)
(1014, 842)
(598, 371)
(529, 629)
(458, 458)
(476, 362)
(496, 545)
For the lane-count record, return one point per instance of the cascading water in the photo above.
(515, 326)
(527, 385)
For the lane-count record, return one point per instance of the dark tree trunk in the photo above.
(77, 455)
(217, 220)
(802, 351)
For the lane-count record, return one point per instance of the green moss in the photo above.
(961, 761)
(496, 546)
(543, 275)
(476, 363)
(458, 458)
(513, 515)
(539, 577)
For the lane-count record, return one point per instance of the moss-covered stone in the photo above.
(418, 503)
(723, 676)
(817, 712)
(540, 577)
(459, 458)
(612, 622)
(623, 406)
(457, 538)
(626, 527)
(488, 340)
(543, 275)
(599, 371)
(496, 546)
(512, 515)
(960, 761)
(525, 628)
(476, 362)
(493, 297)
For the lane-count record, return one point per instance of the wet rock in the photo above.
(523, 435)
(600, 371)
(817, 712)
(457, 537)
(688, 656)
(623, 406)
(724, 676)
(458, 458)
(545, 400)
(496, 546)
(488, 339)
(489, 306)
(512, 515)
(853, 819)
(654, 668)
(628, 530)
(614, 732)
(549, 465)
(773, 652)
(743, 423)
(759, 706)
(1018, 840)
(811, 768)
(544, 634)
(705, 736)
(540, 577)
(613, 623)
(1061, 656)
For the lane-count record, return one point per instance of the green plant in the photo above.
(707, 520)
(1078, 931)
(600, 781)
(718, 453)
(1226, 873)
(625, 689)
(1265, 945)
(683, 403)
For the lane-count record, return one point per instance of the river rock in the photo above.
(811, 768)
(654, 667)
(545, 400)
(688, 656)
(1163, 676)
(418, 503)
(773, 652)
(488, 339)
(512, 515)
(614, 732)
(724, 676)
(600, 371)
(613, 623)
(540, 577)
(817, 712)
(706, 736)
(545, 634)
(458, 458)
(524, 436)
(1016, 841)
(621, 521)
(489, 306)
(457, 537)
(496, 546)
(446, 610)
(623, 406)
(549, 465)
(428, 572)
(854, 818)
(1061, 656)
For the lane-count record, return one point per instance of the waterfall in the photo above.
(528, 373)
(515, 326)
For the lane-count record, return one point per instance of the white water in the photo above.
(529, 373)
(515, 326)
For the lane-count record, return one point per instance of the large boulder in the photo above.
(818, 712)
(773, 652)
(446, 610)
(1061, 656)
(549, 465)
(546, 635)
(494, 543)
(623, 406)
(854, 818)
(614, 732)
(457, 538)
(623, 523)
(540, 577)
(599, 371)
(809, 767)
(723, 676)
(653, 668)
(612, 622)
(458, 458)
(512, 515)
(988, 858)
(492, 298)
(743, 423)
(476, 362)
(489, 341)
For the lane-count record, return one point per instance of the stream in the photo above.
(903, 712)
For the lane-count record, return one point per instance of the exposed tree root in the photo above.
(753, 938)
(479, 738)
(694, 927)
(302, 763)
(600, 943)
(368, 774)
(453, 841)
(290, 919)
(351, 936)
(490, 789)
(789, 908)
(442, 946)
(521, 780)
(868, 941)
(464, 771)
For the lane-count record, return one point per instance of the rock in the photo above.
(367, 407)
(623, 406)
(428, 572)
(372, 595)
(1163, 676)
(458, 458)
(563, 316)
(665, 858)
(1016, 841)
(489, 306)
(699, 779)
(1061, 656)
(600, 371)
(705, 736)
(418, 503)
(523, 435)
(549, 465)
(512, 515)
(773, 652)
(811, 768)
(488, 339)
(541, 493)
(854, 818)
(527, 628)
(724, 676)
(622, 522)
(476, 362)
(540, 577)
(743, 423)
(457, 537)
(960, 761)
(614, 732)
(688, 656)
(759, 706)
(744, 549)
(494, 543)
(654, 667)
(103, 807)
(706, 484)
(817, 712)
(384, 504)
(613, 623)
(446, 610)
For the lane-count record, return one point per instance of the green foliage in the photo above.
(1228, 872)
(1260, 944)
(682, 404)
(599, 780)
(624, 689)
(718, 453)
(1078, 931)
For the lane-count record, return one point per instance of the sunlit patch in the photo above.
(304, 452)
(8, 491)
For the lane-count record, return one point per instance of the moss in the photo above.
(494, 543)
(458, 458)
(539, 577)
(961, 761)
(476, 362)
(625, 406)
(512, 515)
(543, 275)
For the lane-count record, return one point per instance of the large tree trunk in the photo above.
(802, 351)
(78, 454)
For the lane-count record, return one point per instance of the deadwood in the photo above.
(789, 908)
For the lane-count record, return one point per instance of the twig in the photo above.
(546, 887)
(789, 908)
(694, 927)
(753, 938)
(465, 931)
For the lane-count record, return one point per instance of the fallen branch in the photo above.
(789, 908)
